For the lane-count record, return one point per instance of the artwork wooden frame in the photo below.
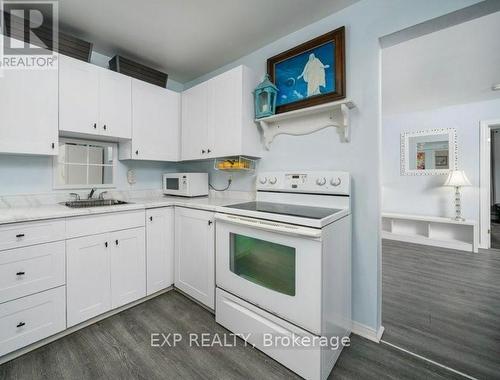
(335, 88)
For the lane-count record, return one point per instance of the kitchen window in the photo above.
(84, 164)
(264, 263)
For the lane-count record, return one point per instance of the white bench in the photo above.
(431, 230)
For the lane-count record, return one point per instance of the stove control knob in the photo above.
(263, 180)
(321, 181)
(336, 182)
(273, 180)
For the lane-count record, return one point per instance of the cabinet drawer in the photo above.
(29, 270)
(29, 319)
(98, 224)
(23, 234)
(240, 317)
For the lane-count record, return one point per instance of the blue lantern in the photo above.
(265, 98)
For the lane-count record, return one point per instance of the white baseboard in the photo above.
(367, 332)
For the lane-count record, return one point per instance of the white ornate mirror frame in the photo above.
(452, 151)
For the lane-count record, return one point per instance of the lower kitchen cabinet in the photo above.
(195, 254)
(104, 272)
(88, 277)
(159, 248)
(29, 319)
(128, 266)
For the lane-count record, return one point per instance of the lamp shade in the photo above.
(457, 178)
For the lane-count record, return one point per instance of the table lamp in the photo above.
(457, 179)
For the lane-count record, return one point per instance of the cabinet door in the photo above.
(128, 266)
(115, 105)
(155, 122)
(159, 248)
(29, 112)
(194, 254)
(88, 291)
(78, 96)
(194, 134)
(224, 113)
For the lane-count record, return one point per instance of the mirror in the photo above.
(428, 152)
(84, 164)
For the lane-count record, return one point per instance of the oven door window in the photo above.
(264, 263)
(172, 183)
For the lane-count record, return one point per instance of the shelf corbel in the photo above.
(309, 120)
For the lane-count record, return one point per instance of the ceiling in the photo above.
(456, 65)
(188, 38)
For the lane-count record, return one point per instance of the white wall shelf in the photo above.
(308, 120)
(430, 230)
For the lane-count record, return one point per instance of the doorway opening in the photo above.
(489, 184)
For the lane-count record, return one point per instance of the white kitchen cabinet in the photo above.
(155, 124)
(28, 270)
(159, 248)
(88, 277)
(128, 266)
(29, 319)
(29, 111)
(93, 100)
(194, 254)
(194, 141)
(218, 117)
(115, 104)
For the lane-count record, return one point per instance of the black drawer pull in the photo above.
(20, 274)
(106, 244)
(19, 236)
(116, 241)
(151, 218)
(21, 324)
(104, 126)
(95, 125)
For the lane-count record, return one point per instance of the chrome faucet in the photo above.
(91, 194)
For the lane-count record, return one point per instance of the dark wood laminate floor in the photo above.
(119, 348)
(444, 305)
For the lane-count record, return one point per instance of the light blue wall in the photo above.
(365, 21)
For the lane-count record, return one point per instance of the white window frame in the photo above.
(56, 165)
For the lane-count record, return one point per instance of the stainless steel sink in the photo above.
(94, 203)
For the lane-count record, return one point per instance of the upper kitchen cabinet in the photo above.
(218, 117)
(155, 124)
(28, 111)
(93, 100)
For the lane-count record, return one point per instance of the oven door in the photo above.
(273, 265)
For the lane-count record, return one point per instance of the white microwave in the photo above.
(185, 184)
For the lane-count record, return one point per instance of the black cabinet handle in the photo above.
(151, 218)
(104, 126)
(116, 241)
(208, 150)
(20, 274)
(19, 236)
(106, 244)
(53, 145)
(21, 324)
(210, 222)
(136, 152)
(95, 125)
(203, 151)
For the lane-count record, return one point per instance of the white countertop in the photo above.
(35, 210)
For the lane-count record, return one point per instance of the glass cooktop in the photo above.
(287, 209)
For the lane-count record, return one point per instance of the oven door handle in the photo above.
(288, 229)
